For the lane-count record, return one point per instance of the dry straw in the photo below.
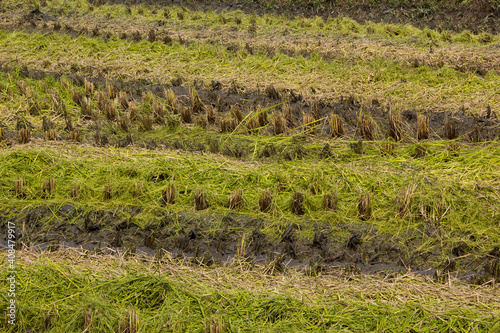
(152, 36)
(201, 121)
(395, 128)
(50, 135)
(287, 111)
(210, 114)
(297, 204)
(136, 36)
(330, 201)
(278, 123)
(107, 193)
(252, 124)
(387, 148)
(171, 100)
(365, 126)
(109, 111)
(88, 320)
(315, 111)
(49, 186)
(265, 201)
(138, 188)
(449, 129)
(130, 322)
(89, 88)
(101, 102)
(404, 200)
(86, 108)
(196, 103)
(262, 116)
(214, 326)
(235, 200)
(272, 93)
(110, 90)
(422, 127)
(236, 113)
(364, 207)
(186, 115)
(132, 111)
(24, 135)
(168, 195)
(75, 192)
(228, 125)
(200, 200)
(124, 124)
(146, 123)
(308, 122)
(158, 110)
(77, 97)
(19, 188)
(123, 100)
(336, 125)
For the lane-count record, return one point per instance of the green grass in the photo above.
(451, 195)
(56, 290)
(458, 195)
(345, 63)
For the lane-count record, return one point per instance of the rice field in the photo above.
(168, 168)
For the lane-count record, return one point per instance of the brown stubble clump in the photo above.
(48, 187)
(24, 135)
(366, 127)
(449, 129)
(265, 201)
(364, 207)
(107, 193)
(200, 200)
(168, 195)
(19, 188)
(422, 127)
(330, 201)
(395, 128)
(336, 125)
(297, 205)
(235, 200)
(279, 125)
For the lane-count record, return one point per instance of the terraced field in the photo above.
(225, 166)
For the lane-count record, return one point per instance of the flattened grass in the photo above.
(404, 74)
(458, 195)
(70, 290)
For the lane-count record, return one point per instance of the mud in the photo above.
(222, 98)
(215, 240)
(476, 16)
(32, 22)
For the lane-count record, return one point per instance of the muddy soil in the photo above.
(224, 97)
(476, 16)
(356, 248)
(36, 21)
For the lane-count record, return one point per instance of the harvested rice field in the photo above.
(255, 166)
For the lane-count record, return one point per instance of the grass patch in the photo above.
(70, 290)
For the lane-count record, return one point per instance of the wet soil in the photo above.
(196, 240)
(223, 98)
(74, 26)
(476, 16)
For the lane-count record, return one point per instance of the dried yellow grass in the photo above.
(422, 127)
(366, 127)
(336, 125)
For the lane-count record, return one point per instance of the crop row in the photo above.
(125, 114)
